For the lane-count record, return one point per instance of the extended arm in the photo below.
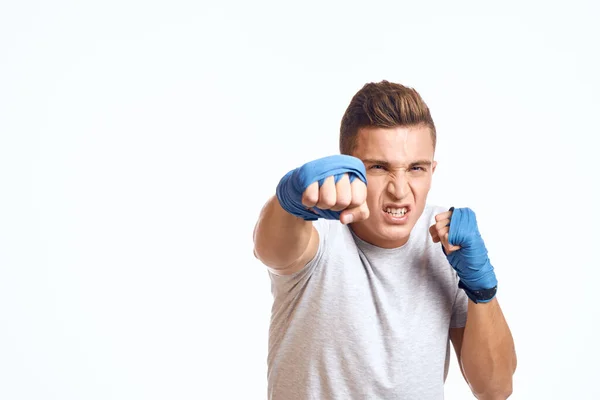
(284, 237)
(282, 241)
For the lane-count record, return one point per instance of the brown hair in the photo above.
(384, 105)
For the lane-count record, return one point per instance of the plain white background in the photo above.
(139, 140)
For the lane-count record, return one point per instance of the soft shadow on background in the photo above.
(138, 142)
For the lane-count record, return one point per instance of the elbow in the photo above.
(266, 253)
(496, 385)
(271, 256)
(496, 393)
(262, 254)
(496, 382)
(496, 389)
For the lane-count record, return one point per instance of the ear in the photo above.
(433, 165)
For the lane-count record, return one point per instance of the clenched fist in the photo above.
(440, 231)
(466, 252)
(349, 198)
(333, 187)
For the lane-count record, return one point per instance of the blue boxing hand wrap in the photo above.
(294, 183)
(471, 261)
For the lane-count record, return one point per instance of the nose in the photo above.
(398, 185)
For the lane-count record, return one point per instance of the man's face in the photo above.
(399, 164)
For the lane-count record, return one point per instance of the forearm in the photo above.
(279, 237)
(488, 355)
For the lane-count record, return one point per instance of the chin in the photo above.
(389, 236)
(395, 233)
(380, 232)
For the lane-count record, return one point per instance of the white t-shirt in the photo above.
(363, 322)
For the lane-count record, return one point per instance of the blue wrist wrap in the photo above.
(294, 183)
(471, 261)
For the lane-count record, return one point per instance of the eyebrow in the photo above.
(387, 163)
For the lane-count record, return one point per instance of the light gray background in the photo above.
(139, 140)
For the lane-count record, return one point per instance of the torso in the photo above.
(361, 322)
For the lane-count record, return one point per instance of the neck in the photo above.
(367, 236)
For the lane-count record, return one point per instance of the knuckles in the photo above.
(326, 200)
(310, 199)
(343, 202)
(341, 195)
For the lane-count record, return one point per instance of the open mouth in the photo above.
(396, 212)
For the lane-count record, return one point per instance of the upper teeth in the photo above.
(398, 211)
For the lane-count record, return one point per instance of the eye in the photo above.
(377, 167)
(417, 168)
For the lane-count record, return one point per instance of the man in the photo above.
(370, 282)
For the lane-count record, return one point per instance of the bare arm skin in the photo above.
(484, 347)
(283, 242)
(486, 351)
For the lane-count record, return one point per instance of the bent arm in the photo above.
(487, 352)
(283, 242)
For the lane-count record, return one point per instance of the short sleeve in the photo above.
(286, 283)
(459, 309)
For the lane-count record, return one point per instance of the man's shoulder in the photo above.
(330, 227)
(335, 238)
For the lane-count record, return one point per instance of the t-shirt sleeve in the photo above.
(459, 309)
(287, 283)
